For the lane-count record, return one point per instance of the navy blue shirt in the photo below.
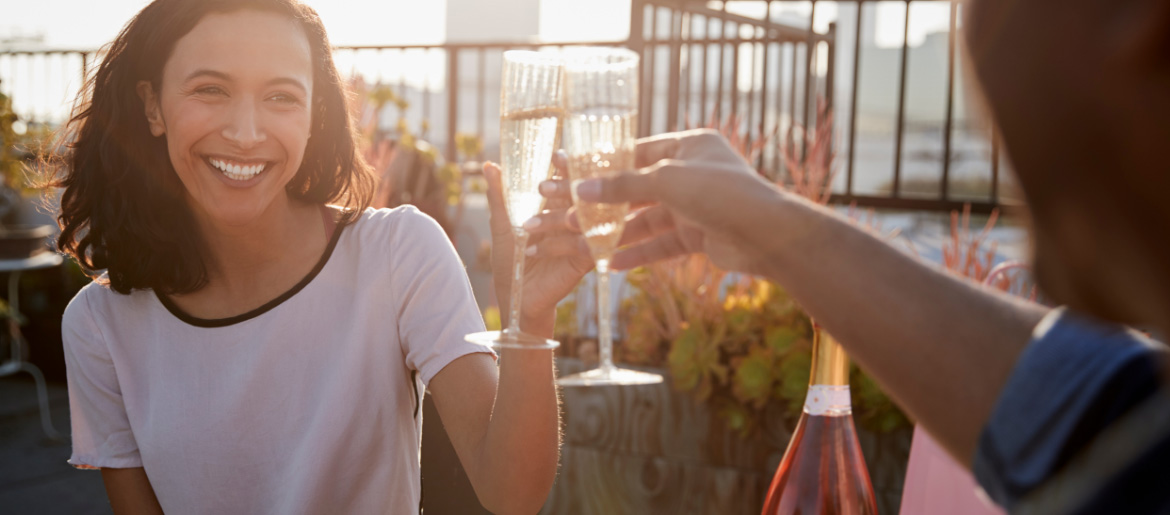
(1073, 381)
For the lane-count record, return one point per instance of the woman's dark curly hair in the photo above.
(123, 208)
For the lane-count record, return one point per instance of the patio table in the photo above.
(15, 362)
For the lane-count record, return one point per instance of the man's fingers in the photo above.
(560, 161)
(670, 146)
(495, 194)
(664, 246)
(638, 187)
(647, 223)
(655, 148)
(555, 189)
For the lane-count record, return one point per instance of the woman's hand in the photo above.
(699, 196)
(503, 417)
(556, 255)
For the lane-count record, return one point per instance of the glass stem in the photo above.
(605, 332)
(520, 237)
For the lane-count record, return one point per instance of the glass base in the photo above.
(509, 340)
(604, 376)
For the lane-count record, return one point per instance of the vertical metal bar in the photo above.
(749, 113)
(764, 71)
(426, 94)
(10, 79)
(648, 83)
(637, 25)
(734, 78)
(672, 96)
(994, 165)
(809, 71)
(6, 78)
(897, 191)
(830, 91)
(831, 68)
(402, 82)
(37, 107)
(792, 95)
(703, 76)
(636, 44)
(32, 87)
(64, 82)
(853, 102)
(46, 68)
(684, 78)
(718, 86)
(763, 130)
(382, 72)
(481, 90)
(452, 100)
(947, 124)
(779, 103)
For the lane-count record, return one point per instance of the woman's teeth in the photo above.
(237, 171)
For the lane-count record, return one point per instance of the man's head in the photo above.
(1080, 90)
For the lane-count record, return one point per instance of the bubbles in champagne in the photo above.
(601, 143)
(527, 140)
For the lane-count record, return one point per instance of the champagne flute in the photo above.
(601, 114)
(530, 126)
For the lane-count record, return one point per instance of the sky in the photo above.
(80, 24)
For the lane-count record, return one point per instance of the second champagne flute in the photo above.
(530, 121)
(601, 106)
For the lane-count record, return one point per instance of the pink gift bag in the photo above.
(937, 485)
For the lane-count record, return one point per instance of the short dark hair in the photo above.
(123, 210)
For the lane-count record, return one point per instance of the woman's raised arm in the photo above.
(130, 492)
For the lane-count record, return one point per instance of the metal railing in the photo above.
(702, 62)
(934, 157)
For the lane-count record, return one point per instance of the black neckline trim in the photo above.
(268, 306)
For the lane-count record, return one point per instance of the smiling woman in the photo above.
(256, 339)
(234, 98)
(245, 87)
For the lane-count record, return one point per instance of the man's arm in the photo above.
(942, 347)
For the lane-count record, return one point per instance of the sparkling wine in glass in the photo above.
(823, 471)
(601, 106)
(530, 125)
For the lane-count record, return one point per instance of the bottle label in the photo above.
(831, 400)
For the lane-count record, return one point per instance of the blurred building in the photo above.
(478, 21)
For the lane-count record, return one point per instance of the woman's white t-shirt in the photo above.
(309, 404)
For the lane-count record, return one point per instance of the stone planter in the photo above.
(650, 449)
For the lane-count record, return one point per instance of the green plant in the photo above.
(739, 349)
(9, 162)
(18, 146)
(433, 184)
